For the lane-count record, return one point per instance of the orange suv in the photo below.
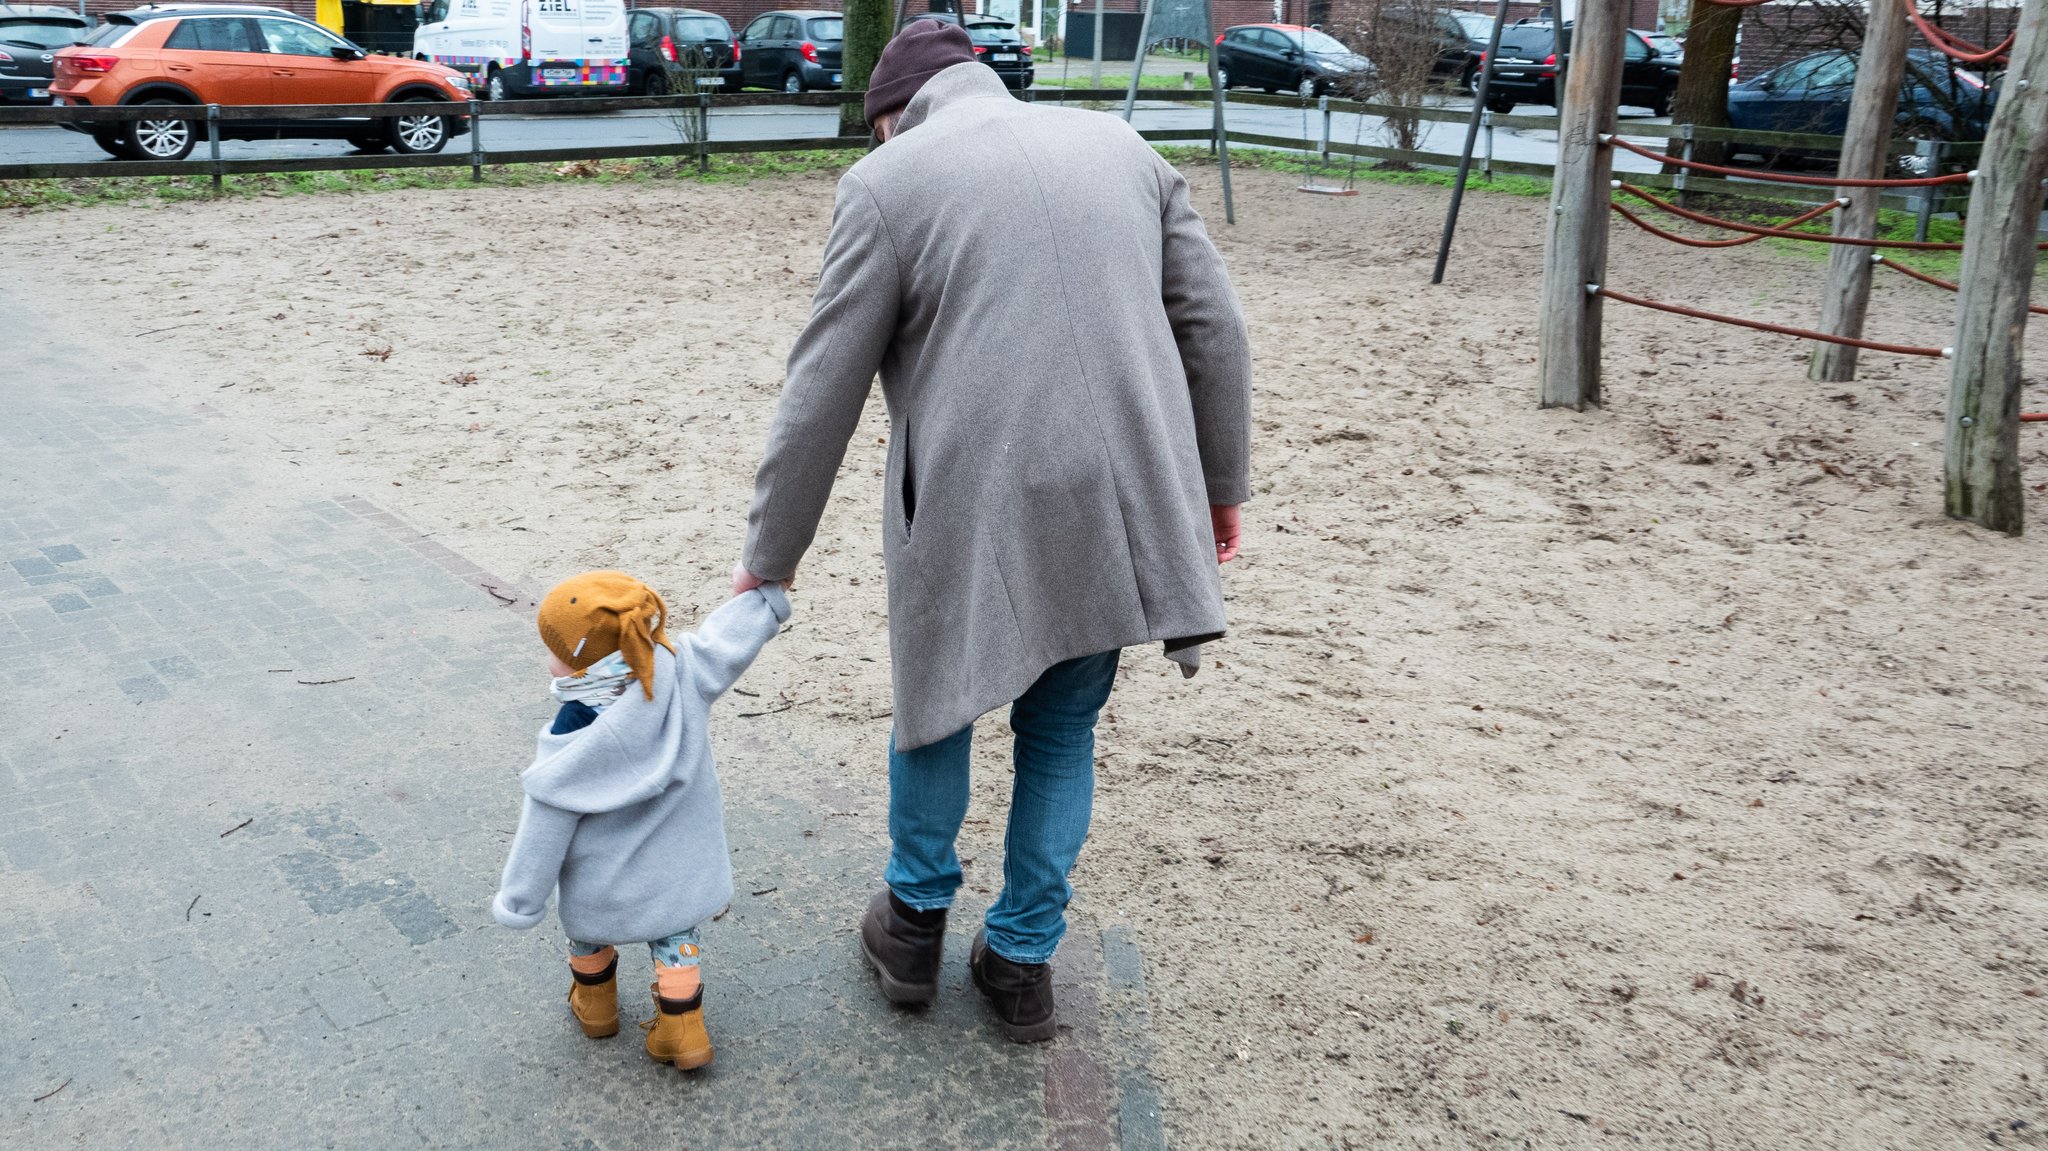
(241, 54)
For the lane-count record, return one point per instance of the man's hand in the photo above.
(1224, 519)
(744, 580)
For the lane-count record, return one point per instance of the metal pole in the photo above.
(476, 142)
(1138, 65)
(1323, 102)
(1678, 180)
(1222, 141)
(1095, 77)
(213, 143)
(703, 132)
(1443, 247)
(1486, 166)
(1923, 211)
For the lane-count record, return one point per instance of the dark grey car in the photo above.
(30, 35)
(794, 50)
(662, 39)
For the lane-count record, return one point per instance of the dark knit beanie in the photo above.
(921, 51)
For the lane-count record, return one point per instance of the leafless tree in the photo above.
(1403, 39)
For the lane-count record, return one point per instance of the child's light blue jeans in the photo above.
(1051, 799)
(678, 950)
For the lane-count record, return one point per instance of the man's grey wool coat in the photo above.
(1068, 381)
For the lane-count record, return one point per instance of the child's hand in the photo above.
(744, 580)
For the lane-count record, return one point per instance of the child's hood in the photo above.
(633, 751)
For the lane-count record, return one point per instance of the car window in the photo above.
(41, 33)
(1476, 27)
(1272, 40)
(1239, 35)
(437, 11)
(1798, 73)
(213, 34)
(786, 28)
(291, 38)
(702, 28)
(1323, 44)
(1834, 72)
(992, 33)
(107, 35)
(758, 30)
(643, 28)
(833, 28)
(1525, 43)
(1633, 48)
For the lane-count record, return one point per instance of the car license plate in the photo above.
(1006, 57)
(710, 81)
(558, 73)
(835, 77)
(38, 93)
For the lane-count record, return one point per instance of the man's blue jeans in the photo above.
(1051, 799)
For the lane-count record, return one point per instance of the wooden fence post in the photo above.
(1872, 107)
(1575, 249)
(1982, 468)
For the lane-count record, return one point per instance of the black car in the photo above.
(661, 39)
(794, 50)
(1526, 70)
(1461, 39)
(1938, 100)
(1289, 57)
(30, 35)
(998, 45)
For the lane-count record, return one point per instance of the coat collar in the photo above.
(968, 80)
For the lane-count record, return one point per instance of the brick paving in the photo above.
(255, 788)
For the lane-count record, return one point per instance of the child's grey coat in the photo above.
(624, 814)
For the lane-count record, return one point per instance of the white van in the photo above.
(513, 48)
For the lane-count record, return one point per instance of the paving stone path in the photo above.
(255, 790)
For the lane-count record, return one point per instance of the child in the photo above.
(622, 810)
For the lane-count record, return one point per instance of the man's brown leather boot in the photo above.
(904, 954)
(1021, 993)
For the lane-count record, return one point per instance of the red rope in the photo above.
(1781, 233)
(2034, 417)
(1915, 273)
(1689, 242)
(1761, 326)
(1955, 46)
(1780, 177)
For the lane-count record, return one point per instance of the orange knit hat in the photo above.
(590, 616)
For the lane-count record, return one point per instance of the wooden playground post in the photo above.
(1981, 457)
(1575, 247)
(1879, 69)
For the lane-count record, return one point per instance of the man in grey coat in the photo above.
(1068, 381)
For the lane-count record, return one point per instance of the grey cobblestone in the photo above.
(242, 910)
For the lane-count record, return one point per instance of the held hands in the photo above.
(1224, 519)
(744, 580)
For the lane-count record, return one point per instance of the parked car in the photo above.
(1461, 39)
(1938, 100)
(238, 54)
(1668, 46)
(998, 44)
(794, 50)
(1273, 57)
(30, 35)
(660, 38)
(515, 48)
(1526, 70)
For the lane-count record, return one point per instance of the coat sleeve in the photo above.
(723, 646)
(830, 370)
(1215, 350)
(534, 865)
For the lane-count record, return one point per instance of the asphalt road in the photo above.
(41, 144)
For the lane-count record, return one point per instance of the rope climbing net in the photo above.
(1785, 229)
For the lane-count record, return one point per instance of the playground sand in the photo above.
(1670, 772)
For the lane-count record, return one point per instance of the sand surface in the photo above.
(1666, 775)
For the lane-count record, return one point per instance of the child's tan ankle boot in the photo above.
(594, 996)
(676, 1034)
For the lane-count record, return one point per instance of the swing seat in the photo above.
(1324, 190)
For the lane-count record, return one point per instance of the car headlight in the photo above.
(459, 83)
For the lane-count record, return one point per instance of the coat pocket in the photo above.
(908, 480)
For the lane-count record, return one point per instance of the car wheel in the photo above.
(495, 88)
(1308, 89)
(419, 133)
(656, 85)
(158, 139)
(369, 143)
(1500, 105)
(110, 143)
(792, 84)
(1470, 80)
(1911, 164)
(1660, 104)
